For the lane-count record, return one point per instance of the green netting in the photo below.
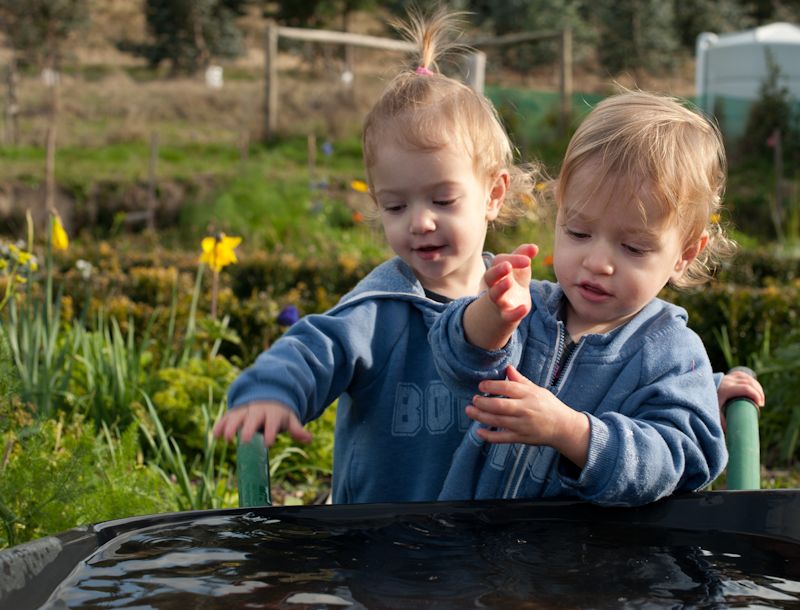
(732, 113)
(534, 115)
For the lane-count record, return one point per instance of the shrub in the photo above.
(748, 314)
(279, 273)
(183, 390)
(761, 266)
(756, 327)
(779, 373)
(58, 474)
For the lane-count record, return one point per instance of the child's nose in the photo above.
(423, 219)
(599, 259)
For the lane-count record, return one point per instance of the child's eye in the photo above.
(575, 234)
(635, 250)
(444, 202)
(393, 207)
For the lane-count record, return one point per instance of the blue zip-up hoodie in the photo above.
(646, 386)
(397, 423)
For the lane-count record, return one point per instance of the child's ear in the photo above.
(497, 193)
(690, 252)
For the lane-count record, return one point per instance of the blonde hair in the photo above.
(643, 142)
(427, 110)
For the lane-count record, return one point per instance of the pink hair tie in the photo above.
(424, 71)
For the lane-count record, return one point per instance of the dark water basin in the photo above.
(708, 550)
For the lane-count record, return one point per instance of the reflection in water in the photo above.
(244, 561)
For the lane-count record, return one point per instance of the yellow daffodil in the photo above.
(359, 186)
(22, 257)
(218, 251)
(60, 237)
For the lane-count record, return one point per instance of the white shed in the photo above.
(731, 69)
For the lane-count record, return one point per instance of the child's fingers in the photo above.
(499, 286)
(499, 292)
(487, 418)
(517, 261)
(298, 432)
(496, 273)
(252, 422)
(755, 392)
(515, 385)
(529, 250)
(758, 391)
(497, 436)
(493, 404)
(513, 375)
(743, 386)
(496, 387)
(272, 426)
(503, 296)
(516, 314)
(219, 426)
(229, 423)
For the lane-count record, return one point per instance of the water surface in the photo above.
(430, 561)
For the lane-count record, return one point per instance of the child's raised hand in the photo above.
(265, 416)
(738, 384)
(509, 280)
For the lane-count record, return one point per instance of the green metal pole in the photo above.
(744, 450)
(252, 472)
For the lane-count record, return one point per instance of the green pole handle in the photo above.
(744, 450)
(252, 472)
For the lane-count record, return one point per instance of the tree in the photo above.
(533, 16)
(310, 13)
(635, 34)
(772, 111)
(325, 14)
(38, 29)
(693, 18)
(188, 33)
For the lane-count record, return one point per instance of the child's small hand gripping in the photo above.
(265, 416)
(738, 384)
(509, 280)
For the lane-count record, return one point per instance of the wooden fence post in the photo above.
(476, 70)
(565, 81)
(12, 106)
(50, 152)
(271, 82)
(311, 147)
(152, 199)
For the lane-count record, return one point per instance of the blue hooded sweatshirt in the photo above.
(397, 423)
(646, 387)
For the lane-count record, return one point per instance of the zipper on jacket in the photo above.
(514, 479)
(566, 349)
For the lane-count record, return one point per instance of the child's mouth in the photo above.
(428, 252)
(592, 292)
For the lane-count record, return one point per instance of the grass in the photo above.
(124, 162)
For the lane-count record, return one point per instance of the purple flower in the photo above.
(327, 149)
(288, 315)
